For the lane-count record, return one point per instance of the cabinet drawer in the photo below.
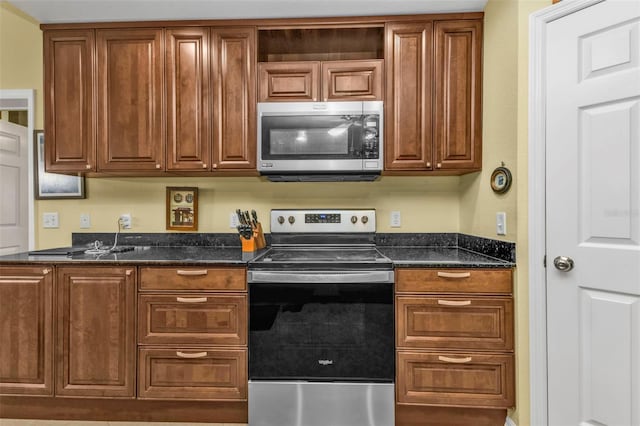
(192, 374)
(462, 380)
(219, 279)
(455, 322)
(202, 319)
(411, 280)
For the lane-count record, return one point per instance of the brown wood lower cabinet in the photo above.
(455, 379)
(192, 373)
(26, 330)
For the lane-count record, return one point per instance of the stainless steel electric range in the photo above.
(321, 327)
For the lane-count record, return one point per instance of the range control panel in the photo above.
(321, 221)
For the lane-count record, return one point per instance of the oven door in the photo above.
(321, 331)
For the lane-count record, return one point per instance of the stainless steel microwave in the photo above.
(320, 141)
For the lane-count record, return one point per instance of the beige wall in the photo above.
(427, 204)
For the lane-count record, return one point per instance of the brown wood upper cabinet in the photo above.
(433, 76)
(320, 80)
(95, 341)
(26, 315)
(69, 122)
(188, 99)
(130, 108)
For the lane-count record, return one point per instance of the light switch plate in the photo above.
(233, 220)
(395, 219)
(50, 220)
(501, 223)
(85, 221)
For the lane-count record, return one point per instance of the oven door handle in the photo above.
(317, 277)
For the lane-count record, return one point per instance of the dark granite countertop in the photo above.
(441, 257)
(451, 250)
(146, 255)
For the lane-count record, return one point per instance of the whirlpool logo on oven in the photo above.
(325, 361)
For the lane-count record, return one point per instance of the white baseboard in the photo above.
(509, 422)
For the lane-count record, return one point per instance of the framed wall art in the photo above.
(182, 208)
(53, 185)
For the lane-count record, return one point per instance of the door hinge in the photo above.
(544, 261)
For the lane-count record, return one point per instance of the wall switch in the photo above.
(85, 221)
(125, 221)
(396, 219)
(501, 223)
(233, 220)
(50, 220)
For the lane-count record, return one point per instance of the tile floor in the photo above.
(11, 422)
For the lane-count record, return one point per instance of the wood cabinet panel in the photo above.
(411, 280)
(288, 81)
(192, 373)
(193, 279)
(69, 99)
(95, 342)
(352, 80)
(130, 66)
(408, 63)
(484, 323)
(26, 334)
(234, 107)
(188, 99)
(202, 319)
(458, 97)
(455, 379)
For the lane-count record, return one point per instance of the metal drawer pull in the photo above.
(193, 355)
(454, 360)
(191, 299)
(191, 273)
(454, 274)
(454, 302)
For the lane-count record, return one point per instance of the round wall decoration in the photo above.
(501, 180)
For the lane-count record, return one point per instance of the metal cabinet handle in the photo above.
(563, 263)
(191, 355)
(454, 360)
(45, 271)
(191, 273)
(88, 166)
(454, 302)
(191, 299)
(454, 274)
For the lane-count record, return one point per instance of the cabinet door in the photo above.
(26, 321)
(408, 63)
(69, 100)
(352, 80)
(288, 81)
(458, 94)
(95, 342)
(234, 108)
(188, 98)
(130, 87)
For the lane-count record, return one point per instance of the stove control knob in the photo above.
(280, 220)
(364, 219)
(354, 219)
(292, 219)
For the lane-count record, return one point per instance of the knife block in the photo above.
(258, 236)
(248, 246)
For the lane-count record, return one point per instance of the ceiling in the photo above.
(67, 11)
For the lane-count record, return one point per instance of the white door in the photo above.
(593, 216)
(14, 193)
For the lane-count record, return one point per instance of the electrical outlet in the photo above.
(396, 219)
(501, 223)
(233, 220)
(85, 221)
(125, 221)
(50, 220)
